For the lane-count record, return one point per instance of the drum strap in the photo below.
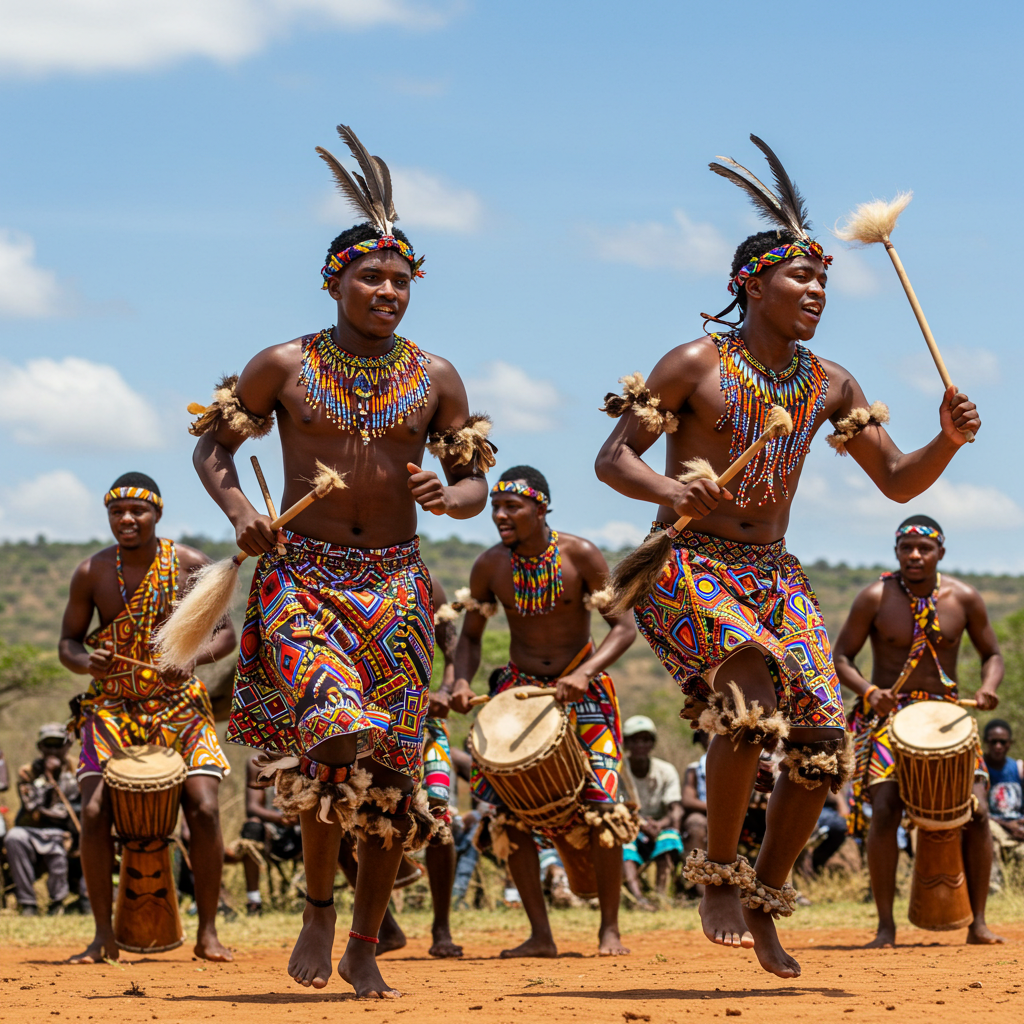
(927, 632)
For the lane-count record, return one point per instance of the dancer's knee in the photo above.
(816, 756)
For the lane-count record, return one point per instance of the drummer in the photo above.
(131, 586)
(548, 582)
(915, 619)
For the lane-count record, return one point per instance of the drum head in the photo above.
(509, 732)
(145, 767)
(933, 725)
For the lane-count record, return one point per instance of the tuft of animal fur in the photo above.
(874, 221)
(636, 575)
(378, 816)
(445, 613)
(850, 426)
(729, 714)
(637, 396)
(696, 469)
(615, 825)
(465, 602)
(493, 835)
(811, 764)
(226, 407)
(600, 600)
(467, 444)
(296, 793)
(326, 480)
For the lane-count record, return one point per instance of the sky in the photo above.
(163, 217)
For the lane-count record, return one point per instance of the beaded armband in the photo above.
(467, 444)
(850, 426)
(637, 396)
(226, 407)
(465, 602)
(761, 896)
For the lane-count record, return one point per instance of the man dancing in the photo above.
(732, 606)
(915, 619)
(547, 583)
(132, 586)
(336, 653)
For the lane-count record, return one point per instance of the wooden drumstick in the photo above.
(482, 698)
(967, 703)
(271, 508)
(548, 691)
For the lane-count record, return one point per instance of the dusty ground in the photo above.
(671, 977)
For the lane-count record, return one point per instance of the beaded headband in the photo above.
(921, 530)
(140, 493)
(789, 251)
(339, 260)
(517, 487)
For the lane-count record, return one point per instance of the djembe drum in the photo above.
(936, 745)
(534, 762)
(145, 784)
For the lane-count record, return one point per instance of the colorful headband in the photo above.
(920, 530)
(339, 260)
(516, 487)
(141, 493)
(790, 251)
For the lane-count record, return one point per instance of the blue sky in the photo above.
(163, 217)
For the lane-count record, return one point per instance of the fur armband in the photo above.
(227, 408)
(600, 600)
(729, 714)
(811, 764)
(616, 825)
(296, 793)
(468, 444)
(465, 602)
(386, 812)
(637, 396)
(699, 870)
(777, 902)
(850, 426)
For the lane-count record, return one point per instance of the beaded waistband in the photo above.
(721, 549)
(406, 553)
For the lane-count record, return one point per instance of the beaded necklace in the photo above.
(750, 390)
(537, 582)
(367, 395)
(155, 594)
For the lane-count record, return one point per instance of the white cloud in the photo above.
(969, 368)
(44, 36)
(56, 504)
(517, 403)
(25, 289)
(851, 275)
(75, 403)
(682, 245)
(616, 534)
(423, 201)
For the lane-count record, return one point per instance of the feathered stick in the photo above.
(635, 576)
(369, 193)
(874, 222)
(189, 628)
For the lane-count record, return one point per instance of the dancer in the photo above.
(547, 583)
(915, 619)
(732, 606)
(132, 586)
(336, 653)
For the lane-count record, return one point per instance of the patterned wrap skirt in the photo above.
(437, 761)
(337, 641)
(717, 596)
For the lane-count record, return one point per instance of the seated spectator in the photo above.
(1005, 795)
(45, 830)
(661, 810)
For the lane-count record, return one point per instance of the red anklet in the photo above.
(364, 938)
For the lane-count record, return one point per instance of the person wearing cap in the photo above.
(132, 587)
(44, 831)
(661, 811)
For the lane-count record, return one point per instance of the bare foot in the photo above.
(310, 962)
(101, 948)
(770, 954)
(609, 942)
(443, 946)
(209, 947)
(979, 934)
(722, 917)
(359, 968)
(391, 936)
(532, 947)
(885, 938)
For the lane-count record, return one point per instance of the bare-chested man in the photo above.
(915, 619)
(732, 605)
(132, 586)
(336, 653)
(545, 580)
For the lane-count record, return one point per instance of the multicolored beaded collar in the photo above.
(518, 487)
(141, 493)
(537, 582)
(339, 260)
(920, 530)
(789, 251)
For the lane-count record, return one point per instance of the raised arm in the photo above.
(469, 648)
(983, 636)
(856, 629)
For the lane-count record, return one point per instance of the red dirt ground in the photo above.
(670, 978)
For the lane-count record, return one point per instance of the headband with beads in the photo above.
(518, 487)
(139, 493)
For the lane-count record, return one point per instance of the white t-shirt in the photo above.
(658, 789)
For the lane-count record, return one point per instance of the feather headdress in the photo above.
(785, 207)
(369, 193)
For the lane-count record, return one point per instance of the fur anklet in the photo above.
(616, 826)
(761, 896)
(729, 714)
(227, 407)
(811, 764)
(698, 870)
